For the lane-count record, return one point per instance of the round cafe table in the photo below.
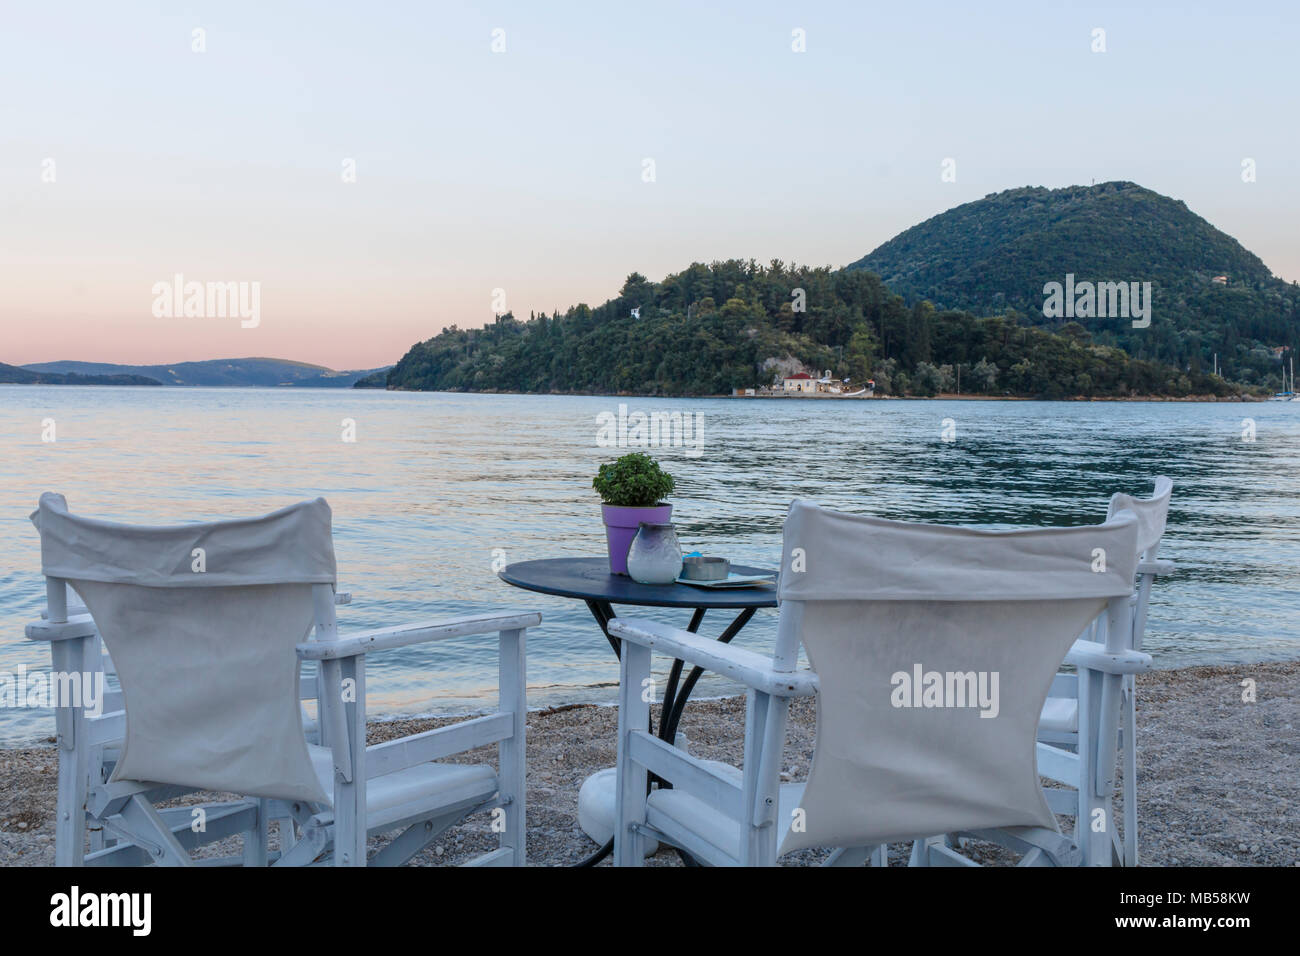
(589, 580)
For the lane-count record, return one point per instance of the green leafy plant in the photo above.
(634, 481)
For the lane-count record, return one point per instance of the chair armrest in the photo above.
(77, 625)
(1092, 656)
(420, 633)
(415, 749)
(747, 667)
(1157, 567)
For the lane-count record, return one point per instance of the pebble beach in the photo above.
(1219, 776)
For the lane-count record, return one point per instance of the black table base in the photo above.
(674, 702)
(589, 580)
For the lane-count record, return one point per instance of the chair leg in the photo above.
(1130, 778)
(511, 751)
(70, 826)
(347, 678)
(69, 657)
(1092, 822)
(1092, 829)
(764, 737)
(256, 839)
(630, 796)
(98, 838)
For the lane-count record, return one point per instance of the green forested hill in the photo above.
(733, 324)
(997, 253)
(961, 293)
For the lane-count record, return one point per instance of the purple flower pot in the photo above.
(621, 525)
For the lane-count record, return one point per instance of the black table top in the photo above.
(589, 579)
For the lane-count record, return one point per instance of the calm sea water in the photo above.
(435, 483)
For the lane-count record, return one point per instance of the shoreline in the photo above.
(956, 397)
(943, 396)
(1218, 777)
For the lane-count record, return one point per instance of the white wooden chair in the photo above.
(1059, 727)
(103, 756)
(878, 604)
(207, 625)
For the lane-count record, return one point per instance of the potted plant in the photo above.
(632, 489)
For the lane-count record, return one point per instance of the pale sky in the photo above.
(523, 170)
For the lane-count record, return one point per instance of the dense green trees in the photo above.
(997, 253)
(734, 324)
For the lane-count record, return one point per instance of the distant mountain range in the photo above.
(16, 375)
(246, 372)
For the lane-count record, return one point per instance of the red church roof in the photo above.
(800, 375)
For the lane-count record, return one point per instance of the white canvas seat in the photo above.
(1059, 730)
(452, 783)
(978, 620)
(685, 817)
(1060, 715)
(208, 626)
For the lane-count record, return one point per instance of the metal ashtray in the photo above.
(698, 568)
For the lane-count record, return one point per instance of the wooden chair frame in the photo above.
(126, 827)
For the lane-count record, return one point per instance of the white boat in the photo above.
(1287, 395)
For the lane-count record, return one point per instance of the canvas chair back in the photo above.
(934, 647)
(201, 621)
(1152, 513)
